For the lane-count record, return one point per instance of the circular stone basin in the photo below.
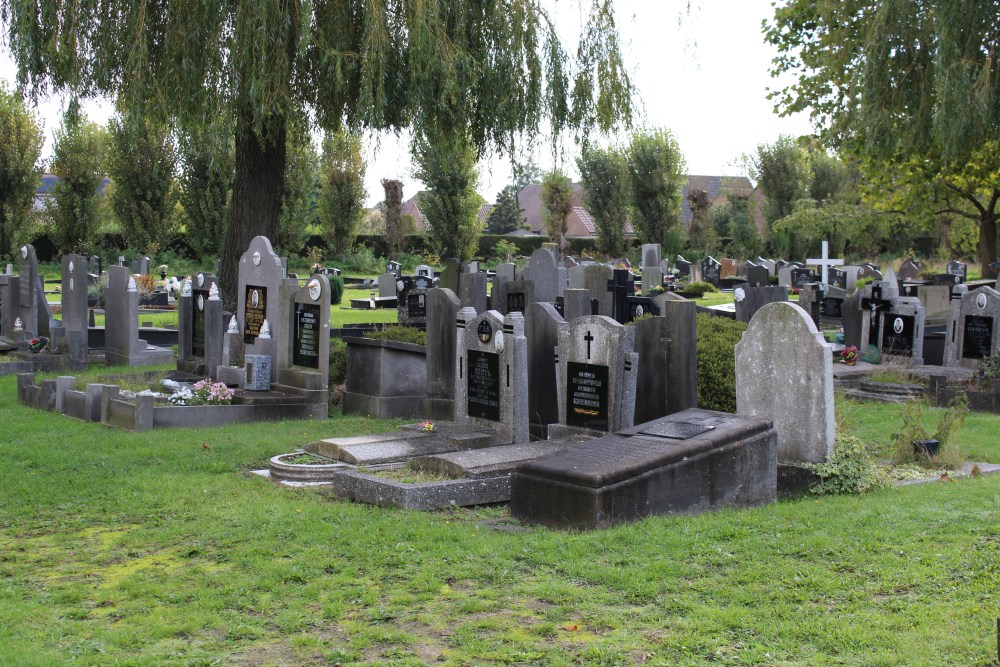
(283, 467)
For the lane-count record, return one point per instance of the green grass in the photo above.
(160, 548)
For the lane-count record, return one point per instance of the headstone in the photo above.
(973, 328)
(472, 291)
(957, 268)
(492, 374)
(122, 345)
(597, 374)
(542, 324)
(74, 309)
(756, 275)
(784, 373)
(577, 303)
(850, 313)
(449, 276)
(749, 299)
(838, 278)
(936, 300)
(596, 279)
(652, 279)
(710, 270)
(542, 270)
(305, 361)
(621, 287)
(27, 271)
(425, 270)
(263, 289)
(411, 299)
(800, 277)
(442, 311)
(10, 294)
(650, 256)
(506, 270)
(513, 296)
(869, 271)
(895, 324)
(141, 266)
(909, 270)
(569, 262)
(393, 267)
(825, 262)
(729, 268)
(683, 266)
(642, 306)
(768, 264)
(851, 275)
(576, 276)
(666, 346)
(387, 285)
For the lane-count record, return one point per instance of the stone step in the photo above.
(330, 447)
(489, 461)
(886, 392)
(393, 450)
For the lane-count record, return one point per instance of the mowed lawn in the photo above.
(162, 549)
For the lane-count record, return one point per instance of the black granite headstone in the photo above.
(977, 341)
(898, 332)
(484, 384)
(305, 344)
(254, 312)
(587, 396)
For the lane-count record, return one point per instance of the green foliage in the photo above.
(300, 200)
(988, 371)
(208, 162)
(338, 361)
(504, 251)
(656, 167)
(605, 176)
(141, 163)
(850, 469)
(557, 199)
(702, 230)
(447, 165)
(363, 260)
(913, 428)
(782, 171)
(506, 215)
(734, 220)
(717, 338)
(79, 150)
(342, 190)
(21, 142)
(699, 287)
(336, 289)
(401, 334)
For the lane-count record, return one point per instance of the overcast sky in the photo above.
(700, 67)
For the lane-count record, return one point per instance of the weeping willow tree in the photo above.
(493, 69)
(911, 88)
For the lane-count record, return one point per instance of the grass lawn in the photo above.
(161, 548)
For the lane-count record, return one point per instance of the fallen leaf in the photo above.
(976, 472)
(945, 478)
(571, 627)
(204, 445)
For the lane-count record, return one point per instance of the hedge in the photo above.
(716, 343)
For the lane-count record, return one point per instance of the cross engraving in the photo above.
(825, 262)
(589, 338)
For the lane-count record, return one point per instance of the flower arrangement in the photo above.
(204, 392)
(36, 345)
(849, 355)
(426, 426)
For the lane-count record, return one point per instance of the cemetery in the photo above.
(418, 334)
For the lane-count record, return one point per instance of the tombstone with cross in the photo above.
(825, 262)
(597, 370)
(621, 287)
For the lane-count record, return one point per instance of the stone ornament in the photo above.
(265, 330)
(234, 327)
(256, 259)
(897, 326)
(131, 284)
(24, 252)
(18, 325)
(201, 302)
(639, 312)
(186, 288)
(498, 341)
(981, 302)
(213, 292)
(71, 287)
(201, 280)
(71, 266)
(739, 294)
(315, 289)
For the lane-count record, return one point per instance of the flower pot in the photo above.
(926, 448)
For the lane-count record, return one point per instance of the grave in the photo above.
(909, 270)
(683, 266)
(10, 294)
(122, 345)
(784, 373)
(33, 308)
(491, 374)
(959, 269)
(710, 270)
(512, 296)
(666, 371)
(825, 263)
(442, 311)
(621, 287)
(542, 324)
(688, 462)
(596, 278)
(749, 299)
(411, 307)
(756, 275)
(729, 268)
(472, 291)
(596, 381)
(972, 330)
(544, 273)
(201, 325)
(67, 347)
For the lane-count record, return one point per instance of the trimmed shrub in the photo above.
(698, 287)
(338, 362)
(401, 334)
(717, 338)
(336, 289)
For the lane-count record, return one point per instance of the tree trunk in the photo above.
(987, 245)
(257, 193)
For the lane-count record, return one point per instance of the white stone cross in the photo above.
(825, 262)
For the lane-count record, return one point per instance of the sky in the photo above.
(700, 68)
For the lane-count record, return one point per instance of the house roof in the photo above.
(411, 208)
(483, 214)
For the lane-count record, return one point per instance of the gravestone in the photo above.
(666, 377)
(542, 323)
(957, 268)
(652, 279)
(492, 374)
(621, 287)
(442, 311)
(695, 273)
(263, 289)
(869, 271)
(973, 328)
(141, 266)
(683, 266)
(506, 270)
(31, 292)
(596, 382)
(851, 320)
(749, 299)
(512, 296)
(577, 303)
(909, 270)
(784, 373)
(838, 278)
(411, 299)
(424, 270)
(472, 291)
(569, 262)
(936, 300)
(394, 267)
(544, 273)
(122, 345)
(851, 275)
(756, 275)
(72, 330)
(192, 325)
(710, 270)
(10, 294)
(576, 276)
(729, 268)
(768, 264)
(650, 255)
(902, 329)
(688, 462)
(596, 280)
(825, 263)
(304, 363)
(94, 266)
(800, 277)
(449, 276)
